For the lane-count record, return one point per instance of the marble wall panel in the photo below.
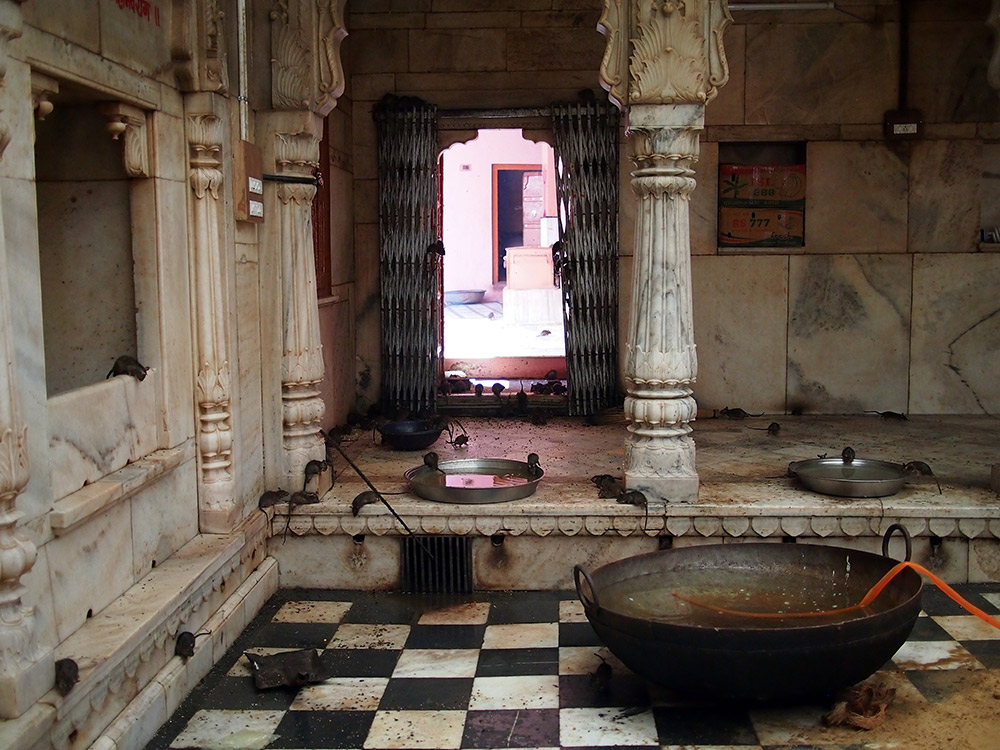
(848, 333)
(457, 49)
(337, 334)
(855, 198)
(21, 239)
(38, 594)
(546, 563)
(90, 567)
(249, 454)
(809, 73)
(728, 106)
(955, 343)
(740, 312)
(341, 227)
(139, 41)
(625, 266)
(556, 49)
(989, 185)
(375, 51)
(168, 147)
(174, 309)
(142, 406)
(89, 435)
(338, 562)
(88, 290)
(367, 316)
(948, 62)
(164, 518)
(944, 197)
(77, 22)
(984, 560)
(704, 202)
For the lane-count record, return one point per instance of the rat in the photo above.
(847, 455)
(772, 429)
(126, 365)
(431, 461)
(313, 469)
(479, 389)
(887, 414)
(184, 646)
(533, 466)
(303, 498)
(921, 468)
(608, 486)
(737, 413)
(67, 675)
(601, 677)
(271, 497)
(522, 400)
(365, 498)
(497, 389)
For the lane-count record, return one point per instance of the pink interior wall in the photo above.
(468, 195)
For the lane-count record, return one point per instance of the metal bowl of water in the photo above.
(464, 297)
(862, 477)
(469, 481)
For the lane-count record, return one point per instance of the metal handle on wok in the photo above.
(591, 602)
(906, 540)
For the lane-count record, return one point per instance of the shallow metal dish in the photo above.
(477, 480)
(863, 477)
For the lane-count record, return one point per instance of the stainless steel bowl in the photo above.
(862, 477)
(470, 481)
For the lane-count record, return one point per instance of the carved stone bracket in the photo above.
(124, 118)
(297, 155)
(306, 72)
(42, 87)
(213, 381)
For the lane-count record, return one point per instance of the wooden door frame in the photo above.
(496, 213)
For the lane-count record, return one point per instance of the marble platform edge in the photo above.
(122, 648)
(137, 724)
(75, 508)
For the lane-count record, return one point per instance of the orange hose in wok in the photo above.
(868, 598)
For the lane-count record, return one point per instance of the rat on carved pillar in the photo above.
(664, 61)
(306, 80)
(26, 668)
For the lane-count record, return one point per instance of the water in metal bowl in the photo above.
(475, 480)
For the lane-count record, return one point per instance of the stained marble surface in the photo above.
(736, 365)
(855, 198)
(848, 333)
(956, 338)
(944, 198)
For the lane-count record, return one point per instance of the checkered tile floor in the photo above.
(496, 670)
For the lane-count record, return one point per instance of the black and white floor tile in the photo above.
(498, 670)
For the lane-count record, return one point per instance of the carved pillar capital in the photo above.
(306, 72)
(664, 51)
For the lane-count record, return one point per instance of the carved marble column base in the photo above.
(303, 410)
(21, 689)
(217, 513)
(661, 464)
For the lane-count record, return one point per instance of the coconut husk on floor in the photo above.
(862, 706)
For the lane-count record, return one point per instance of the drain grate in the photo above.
(436, 565)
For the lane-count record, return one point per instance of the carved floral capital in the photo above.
(306, 72)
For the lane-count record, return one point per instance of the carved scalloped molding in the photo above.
(631, 524)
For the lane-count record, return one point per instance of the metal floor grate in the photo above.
(436, 565)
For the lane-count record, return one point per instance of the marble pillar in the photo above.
(218, 509)
(307, 78)
(297, 157)
(26, 669)
(663, 62)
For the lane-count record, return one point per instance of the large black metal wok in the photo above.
(699, 620)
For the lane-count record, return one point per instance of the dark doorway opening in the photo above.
(513, 199)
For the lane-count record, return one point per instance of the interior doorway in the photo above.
(502, 316)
